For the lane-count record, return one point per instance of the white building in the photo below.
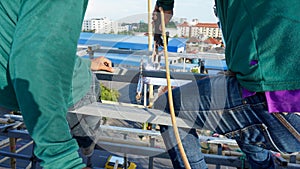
(206, 29)
(199, 30)
(100, 25)
(87, 25)
(183, 30)
(124, 28)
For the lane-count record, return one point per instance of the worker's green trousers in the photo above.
(38, 40)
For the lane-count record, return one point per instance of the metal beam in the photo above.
(200, 55)
(132, 75)
(132, 114)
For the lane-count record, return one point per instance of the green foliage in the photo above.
(171, 24)
(195, 70)
(109, 94)
(126, 33)
(142, 27)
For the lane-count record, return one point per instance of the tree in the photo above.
(142, 27)
(171, 24)
(109, 94)
(126, 33)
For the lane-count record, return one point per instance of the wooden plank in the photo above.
(141, 115)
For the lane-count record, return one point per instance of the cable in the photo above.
(170, 97)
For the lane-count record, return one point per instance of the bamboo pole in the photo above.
(149, 26)
(170, 97)
(151, 93)
(12, 143)
(150, 40)
(12, 148)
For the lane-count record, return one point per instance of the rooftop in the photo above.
(126, 41)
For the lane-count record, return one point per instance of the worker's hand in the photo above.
(156, 18)
(101, 63)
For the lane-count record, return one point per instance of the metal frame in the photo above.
(154, 116)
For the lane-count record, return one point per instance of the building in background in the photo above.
(183, 30)
(124, 28)
(100, 25)
(198, 29)
(211, 30)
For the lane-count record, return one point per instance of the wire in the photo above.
(170, 97)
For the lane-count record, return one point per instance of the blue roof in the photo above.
(125, 41)
(175, 43)
(215, 64)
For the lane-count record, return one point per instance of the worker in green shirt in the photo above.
(257, 100)
(40, 74)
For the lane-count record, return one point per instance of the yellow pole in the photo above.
(151, 95)
(149, 25)
(170, 97)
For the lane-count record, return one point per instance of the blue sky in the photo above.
(135, 10)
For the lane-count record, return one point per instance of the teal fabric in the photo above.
(40, 72)
(266, 32)
(82, 77)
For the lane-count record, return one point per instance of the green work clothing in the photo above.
(40, 73)
(261, 42)
(165, 4)
(253, 41)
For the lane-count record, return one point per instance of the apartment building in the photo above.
(183, 30)
(197, 29)
(207, 29)
(100, 25)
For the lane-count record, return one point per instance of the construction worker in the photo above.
(40, 74)
(247, 103)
